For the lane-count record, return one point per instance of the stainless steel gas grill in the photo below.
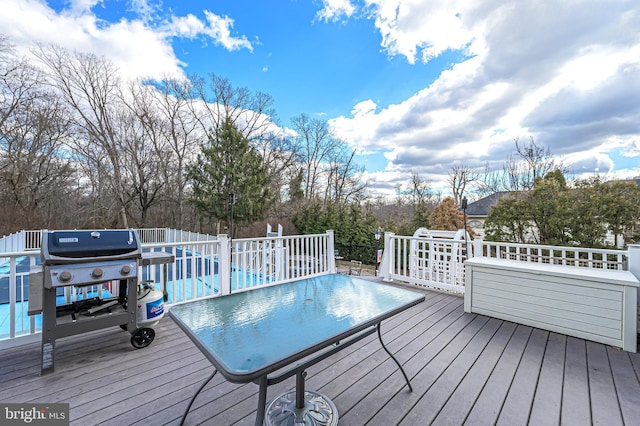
(79, 263)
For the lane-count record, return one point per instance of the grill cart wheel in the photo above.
(142, 337)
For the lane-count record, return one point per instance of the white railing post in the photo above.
(634, 264)
(386, 264)
(477, 247)
(224, 264)
(331, 257)
(12, 297)
(634, 259)
(279, 259)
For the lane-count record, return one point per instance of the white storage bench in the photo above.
(591, 304)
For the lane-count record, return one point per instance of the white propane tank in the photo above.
(150, 305)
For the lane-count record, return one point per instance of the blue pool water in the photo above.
(200, 272)
(204, 265)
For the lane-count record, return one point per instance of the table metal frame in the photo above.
(264, 376)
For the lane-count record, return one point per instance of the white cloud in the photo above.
(632, 149)
(583, 164)
(82, 6)
(219, 29)
(189, 26)
(140, 47)
(144, 9)
(364, 108)
(334, 10)
(422, 30)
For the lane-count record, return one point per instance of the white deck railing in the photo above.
(558, 255)
(264, 261)
(31, 240)
(204, 266)
(207, 266)
(431, 262)
(439, 262)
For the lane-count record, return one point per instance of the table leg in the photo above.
(262, 401)
(184, 416)
(394, 359)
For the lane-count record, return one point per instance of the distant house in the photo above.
(478, 211)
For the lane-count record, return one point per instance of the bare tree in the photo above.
(489, 182)
(531, 162)
(34, 129)
(251, 113)
(33, 171)
(344, 181)
(91, 87)
(182, 134)
(521, 169)
(316, 146)
(279, 155)
(144, 144)
(419, 190)
(459, 179)
(97, 208)
(19, 81)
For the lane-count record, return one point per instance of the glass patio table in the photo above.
(271, 333)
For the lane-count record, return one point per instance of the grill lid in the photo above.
(89, 245)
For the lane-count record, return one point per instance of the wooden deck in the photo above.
(465, 369)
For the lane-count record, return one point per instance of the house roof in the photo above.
(636, 180)
(483, 205)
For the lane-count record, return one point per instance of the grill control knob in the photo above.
(97, 273)
(125, 270)
(65, 276)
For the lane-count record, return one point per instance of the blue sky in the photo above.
(415, 86)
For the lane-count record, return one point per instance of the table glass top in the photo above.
(249, 330)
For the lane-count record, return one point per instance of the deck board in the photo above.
(575, 394)
(519, 400)
(438, 394)
(437, 356)
(546, 404)
(461, 401)
(627, 385)
(490, 401)
(604, 401)
(464, 368)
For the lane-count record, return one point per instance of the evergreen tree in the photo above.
(228, 164)
(296, 192)
(354, 226)
(420, 217)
